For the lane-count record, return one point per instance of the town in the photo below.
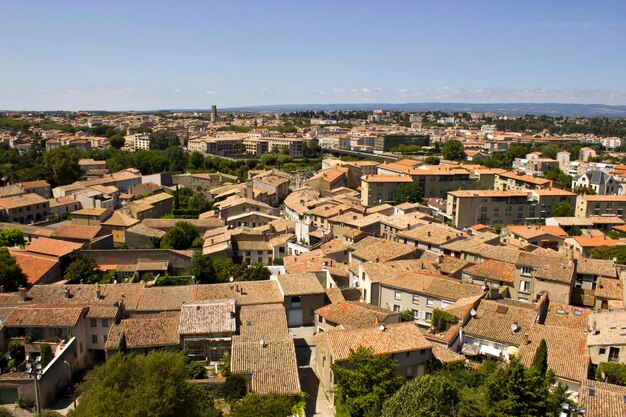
(285, 258)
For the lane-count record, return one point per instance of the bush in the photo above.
(233, 389)
(196, 370)
(25, 403)
(614, 373)
(17, 352)
(224, 365)
(46, 354)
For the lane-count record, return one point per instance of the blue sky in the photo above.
(139, 55)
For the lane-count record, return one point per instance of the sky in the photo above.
(153, 54)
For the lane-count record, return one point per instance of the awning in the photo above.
(470, 350)
(491, 351)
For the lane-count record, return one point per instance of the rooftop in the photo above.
(395, 338)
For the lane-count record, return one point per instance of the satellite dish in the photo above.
(231, 279)
(514, 327)
(614, 259)
(381, 328)
(472, 312)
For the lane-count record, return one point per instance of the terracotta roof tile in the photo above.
(396, 338)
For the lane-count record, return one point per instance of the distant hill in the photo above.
(550, 109)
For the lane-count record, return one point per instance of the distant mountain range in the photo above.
(516, 109)
(550, 109)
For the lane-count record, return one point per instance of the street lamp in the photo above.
(34, 368)
(69, 365)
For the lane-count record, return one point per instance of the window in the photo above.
(429, 316)
(430, 302)
(93, 323)
(613, 354)
(416, 299)
(416, 314)
(105, 322)
(94, 338)
(396, 308)
(526, 270)
(397, 295)
(524, 286)
(296, 302)
(602, 351)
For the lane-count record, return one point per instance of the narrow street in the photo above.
(317, 405)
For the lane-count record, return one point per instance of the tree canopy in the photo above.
(61, 165)
(407, 193)
(493, 391)
(453, 150)
(153, 385)
(11, 275)
(254, 405)
(610, 252)
(214, 269)
(82, 268)
(180, 236)
(562, 209)
(365, 384)
(11, 236)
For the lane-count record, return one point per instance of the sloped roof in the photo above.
(395, 338)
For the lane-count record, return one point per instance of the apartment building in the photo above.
(24, 208)
(512, 181)
(421, 293)
(469, 207)
(220, 145)
(378, 189)
(256, 146)
(600, 205)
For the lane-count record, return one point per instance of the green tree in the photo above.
(256, 272)
(82, 268)
(612, 372)
(407, 193)
(11, 236)
(46, 354)
(196, 370)
(163, 139)
(180, 236)
(196, 159)
(429, 396)
(11, 275)
(610, 252)
(453, 150)
(254, 405)
(406, 315)
(121, 345)
(562, 209)
(153, 385)
(61, 165)
(177, 158)
(17, 353)
(233, 388)
(364, 385)
(432, 160)
(116, 141)
(540, 360)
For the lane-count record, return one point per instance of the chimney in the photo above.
(98, 292)
(67, 293)
(22, 292)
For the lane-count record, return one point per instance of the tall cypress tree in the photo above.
(540, 360)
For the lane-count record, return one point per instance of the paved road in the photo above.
(317, 405)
